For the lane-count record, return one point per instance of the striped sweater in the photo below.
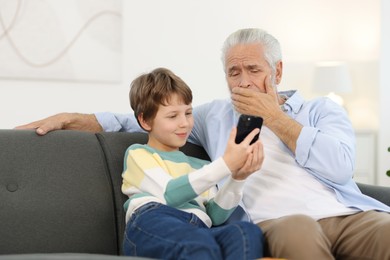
(180, 181)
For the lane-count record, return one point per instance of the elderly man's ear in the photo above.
(279, 72)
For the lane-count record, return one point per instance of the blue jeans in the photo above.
(159, 231)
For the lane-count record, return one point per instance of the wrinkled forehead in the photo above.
(245, 59)
(245, 53)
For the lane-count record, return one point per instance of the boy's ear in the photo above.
(144, 124)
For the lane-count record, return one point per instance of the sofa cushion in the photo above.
(69, 257)
(114, 146)
(380, 193)
(56, 194)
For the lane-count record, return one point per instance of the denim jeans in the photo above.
(159, 231)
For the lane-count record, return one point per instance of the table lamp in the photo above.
(332, 77)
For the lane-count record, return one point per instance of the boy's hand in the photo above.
(243, 159)
(253, 162)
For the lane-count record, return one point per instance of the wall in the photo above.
(186, 36)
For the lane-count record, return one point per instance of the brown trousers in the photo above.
(364, 235)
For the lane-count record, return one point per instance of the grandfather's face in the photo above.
(247, 67)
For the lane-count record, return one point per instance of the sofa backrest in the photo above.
(55, 194)
(114, 146)
(62, 192)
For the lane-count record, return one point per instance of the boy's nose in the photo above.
(184, 121)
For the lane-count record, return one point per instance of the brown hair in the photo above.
(150, 90)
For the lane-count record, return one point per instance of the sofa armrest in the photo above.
(380, 193)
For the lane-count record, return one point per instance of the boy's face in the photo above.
(172, 125)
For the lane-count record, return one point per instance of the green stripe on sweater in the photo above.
(179, 190)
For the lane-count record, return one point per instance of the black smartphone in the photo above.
(245, 125)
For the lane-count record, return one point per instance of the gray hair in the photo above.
(272, 51)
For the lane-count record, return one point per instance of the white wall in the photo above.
(186, 36)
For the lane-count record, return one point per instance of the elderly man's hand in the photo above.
(253, 102)
(70, 121)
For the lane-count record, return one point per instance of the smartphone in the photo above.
(245, 125)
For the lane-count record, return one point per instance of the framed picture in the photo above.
(67, 40)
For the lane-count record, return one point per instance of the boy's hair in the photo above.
(150, 90)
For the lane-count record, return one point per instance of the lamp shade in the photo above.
(332, 76)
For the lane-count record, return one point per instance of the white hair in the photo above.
(272, 51)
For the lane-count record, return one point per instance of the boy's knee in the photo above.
(250, 232)
(249, 228)
(197, 249)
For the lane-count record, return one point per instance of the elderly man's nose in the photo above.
(245, 83)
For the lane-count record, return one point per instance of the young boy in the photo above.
(174, 209)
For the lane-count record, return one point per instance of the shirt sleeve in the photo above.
(112, 122)
(326, 146)
(197, 135)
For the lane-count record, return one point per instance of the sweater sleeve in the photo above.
(226, 200)
(175, 184)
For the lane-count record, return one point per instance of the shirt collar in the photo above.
(294, 100)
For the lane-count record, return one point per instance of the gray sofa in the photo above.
(60, 194)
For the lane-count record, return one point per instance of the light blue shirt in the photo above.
(325, 147)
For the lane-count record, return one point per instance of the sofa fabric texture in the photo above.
(61, 193)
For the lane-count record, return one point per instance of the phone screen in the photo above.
(245, 125)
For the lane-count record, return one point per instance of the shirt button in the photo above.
(283, 108)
